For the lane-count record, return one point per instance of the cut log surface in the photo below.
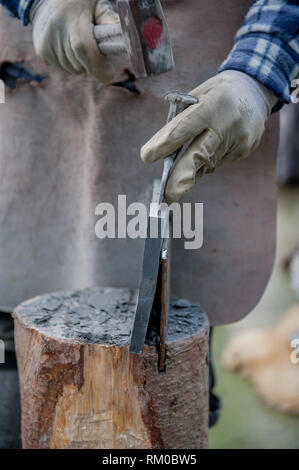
(81, 388)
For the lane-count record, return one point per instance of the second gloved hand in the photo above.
(226, 124)
(63, 35)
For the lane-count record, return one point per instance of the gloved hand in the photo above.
(63, 35)
(226, 124)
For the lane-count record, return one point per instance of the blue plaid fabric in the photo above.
(267, 46)
(18, 8)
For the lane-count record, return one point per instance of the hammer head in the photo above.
(146, 36)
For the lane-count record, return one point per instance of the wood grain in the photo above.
(82, 395)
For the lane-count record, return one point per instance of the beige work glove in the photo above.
(63, 35)
(226, 124)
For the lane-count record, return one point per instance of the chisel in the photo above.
(156, 254)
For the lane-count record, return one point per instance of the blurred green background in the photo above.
(246, 422)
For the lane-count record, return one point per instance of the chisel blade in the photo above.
(147, 288)
(153, 247)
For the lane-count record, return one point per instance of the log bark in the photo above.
(81, 388)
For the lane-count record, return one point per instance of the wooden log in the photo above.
(81, 388)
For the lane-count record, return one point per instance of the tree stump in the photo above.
(82, 389)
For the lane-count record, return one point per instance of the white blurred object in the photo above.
(269, 358)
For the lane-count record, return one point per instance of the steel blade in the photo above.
(147, 288)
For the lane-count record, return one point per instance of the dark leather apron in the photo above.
(71, 143)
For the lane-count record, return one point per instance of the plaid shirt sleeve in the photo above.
(267, 46)
(18, 8)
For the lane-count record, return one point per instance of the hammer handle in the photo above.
(110, 39)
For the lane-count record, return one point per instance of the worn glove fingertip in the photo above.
(173, 192)
(146, 154)
(105, 14)
(171, 197)
(177, 188)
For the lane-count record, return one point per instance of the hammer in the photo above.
(142, 34)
